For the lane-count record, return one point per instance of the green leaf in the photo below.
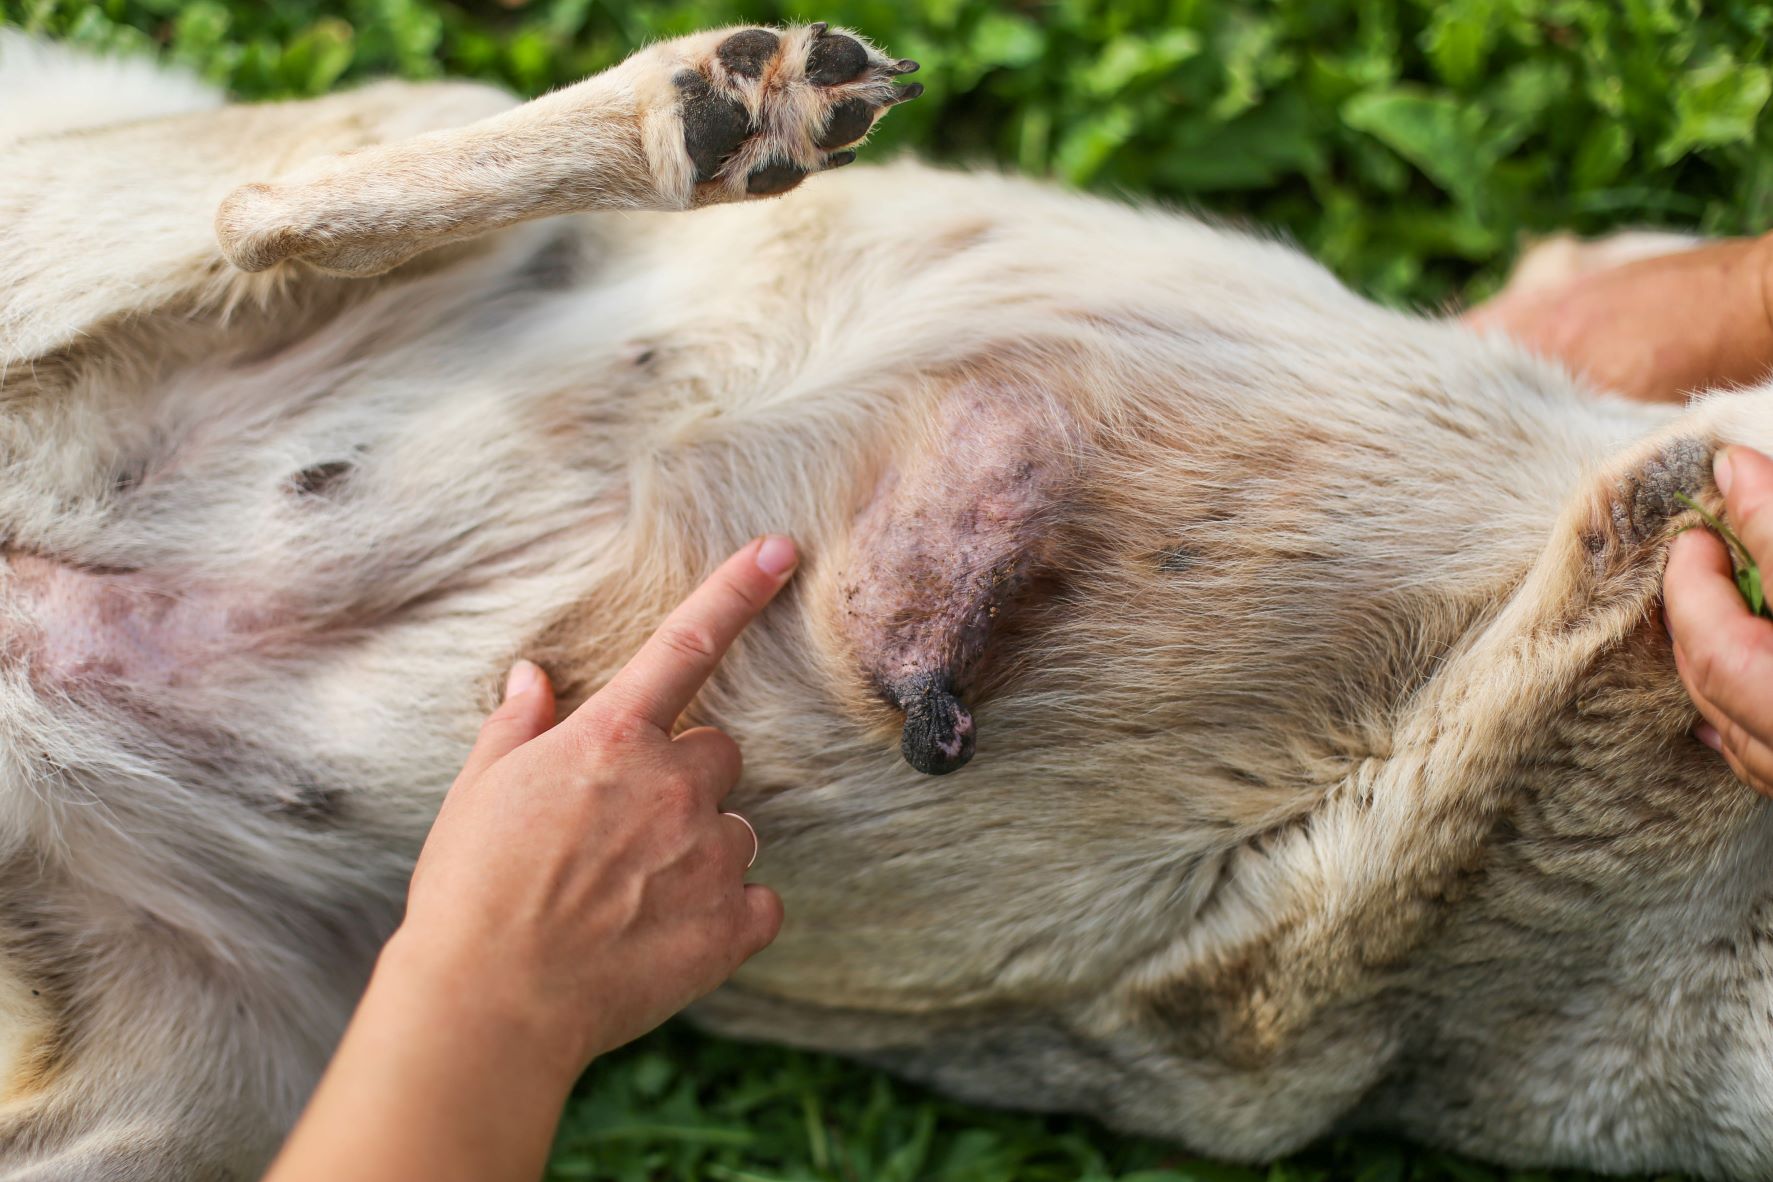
(1251, 59)
(199, 37)
(1281, 137)
(1602, 155)
(1459, 38)
(318, 57)
(1087, 147)
(906, 1162)
(1748, 581)
(1522, 102)
(1127, 59)
(1439, 136)
(1717, 103)
(1748, 572)
(1001, 39)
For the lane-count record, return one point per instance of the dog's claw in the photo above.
(903, 66)
(817, 28)
(839, 159)
(908, 93)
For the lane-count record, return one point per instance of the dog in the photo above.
(1210, 701)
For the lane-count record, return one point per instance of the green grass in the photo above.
(677, 1106)
(1409, 144)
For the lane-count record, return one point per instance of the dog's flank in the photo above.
(1329, 766)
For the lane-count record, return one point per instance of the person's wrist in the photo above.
(490, 1009)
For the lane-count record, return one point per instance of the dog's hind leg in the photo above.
(709, 118)
(145, 1047)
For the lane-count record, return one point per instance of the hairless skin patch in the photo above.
(942, 552)
(130, 629)
(1648, 498)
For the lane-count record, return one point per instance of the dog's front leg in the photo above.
(710, 118)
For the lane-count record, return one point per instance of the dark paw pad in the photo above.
(834, 59)
(773, 178)
(746, 54)
(849, 122)
(713, 125)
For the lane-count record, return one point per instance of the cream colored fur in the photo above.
(47, 88)
(1331, 769)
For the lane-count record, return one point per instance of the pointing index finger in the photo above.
(657, 685)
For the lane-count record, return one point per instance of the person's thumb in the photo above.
(527, 711)
(1745, 477)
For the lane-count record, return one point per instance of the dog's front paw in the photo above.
(761, 108)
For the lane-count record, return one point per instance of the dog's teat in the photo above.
(938, 734)
(944, 550)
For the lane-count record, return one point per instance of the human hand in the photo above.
(1656, 329)
(580, 884)
(1725, 653)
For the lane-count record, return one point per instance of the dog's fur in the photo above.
(1331, 769)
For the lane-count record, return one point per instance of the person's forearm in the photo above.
(565, 857)
(423, 1087)
(1660, 328)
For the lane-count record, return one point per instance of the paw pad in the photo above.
(741, 117)
(835, 59)
(774, 178)
(746, 54)
(849, 122)
(714, 124)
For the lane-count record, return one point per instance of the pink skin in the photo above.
(962, 729)
(947, 543)
(124, 628)
(943, 550)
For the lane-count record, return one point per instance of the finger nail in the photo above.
(524, 677)
(776, 555)
(1720, 470)
(1706, 733)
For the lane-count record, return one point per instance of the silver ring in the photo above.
(755, 844)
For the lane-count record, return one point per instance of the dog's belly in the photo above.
(131, 631)
(505, 450)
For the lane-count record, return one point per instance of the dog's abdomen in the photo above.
(129, 631)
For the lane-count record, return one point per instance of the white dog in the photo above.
(1324, 764)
